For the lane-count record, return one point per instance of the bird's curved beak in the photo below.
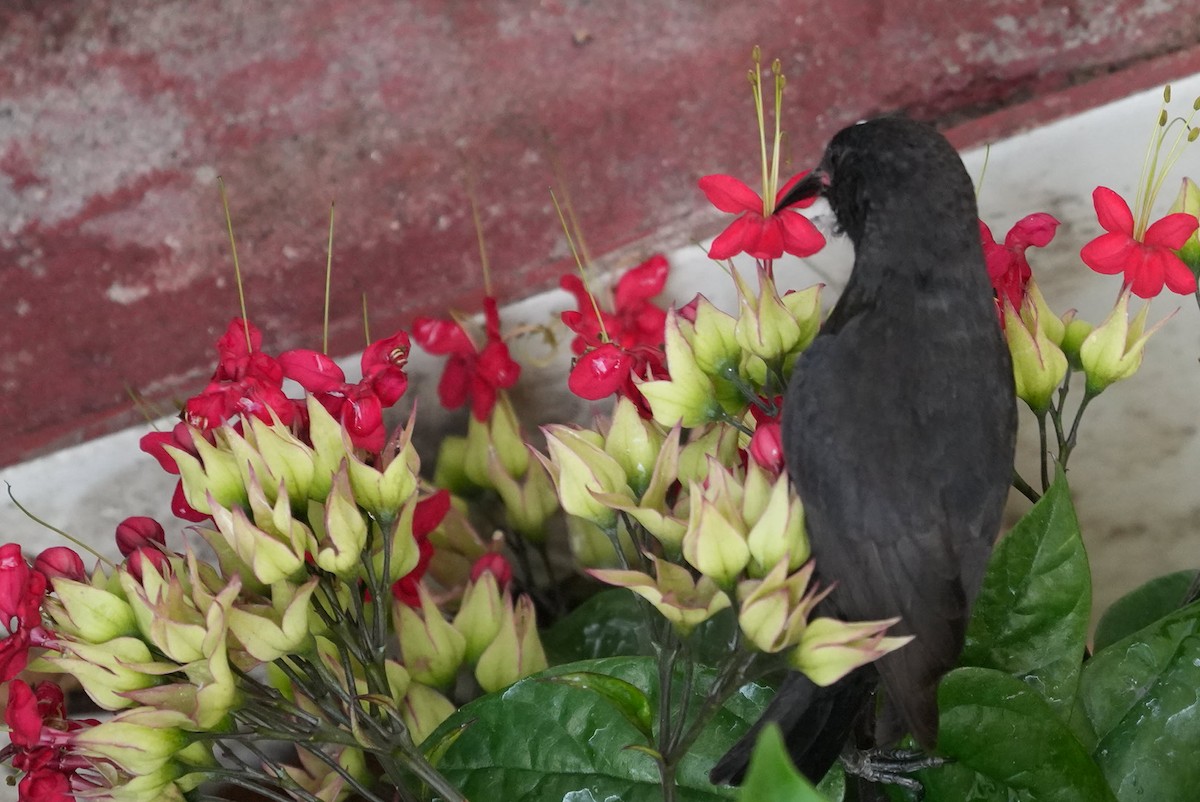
(810, 186)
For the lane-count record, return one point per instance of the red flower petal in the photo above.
(313, 370)
(1109, 253)
(386, 354)
(429, 513)
(1032, 230)
(642, 282)
(496, 366)
(1180, 279)
(441, 337)
(137, 531)
(732, 240)
(61, 561)
(985, 235)
(764, 237)
(1172, 231)
(1112, 211)
(730, 195)
(1145, 274)
(180, 507)
(787, 187)
(800, 237)
(455, 383)
(389, 385)
(22, 716)
(600, 372)
(496, 565)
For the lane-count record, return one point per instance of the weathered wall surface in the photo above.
(117, 116)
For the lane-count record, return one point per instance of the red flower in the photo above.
(762, 232)
(359, 406)
(1148, 262)
(634, 332)
(766, 446)
(1007, 266)
(21, 592)
(41, 735)
(61, 561)
(137, 531)
(246, 382)
(470, 374)
(426, 517)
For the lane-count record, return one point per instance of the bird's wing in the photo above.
(898, 481)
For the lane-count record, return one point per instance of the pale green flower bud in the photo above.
(398, 680)
(1053, 326)
(716, 442)
(830, 649)
(1188, 202)
(137, 748)
(481, 615)
(383, 492)
(713, 544)
(713, 339)
(450, 470)
(288, 460)
(215, 473)
(805, 308)
(515, 652)
(106, 670)
(424, 710)
(268, 632)
(330, 447)
(1039, 365)
(774, 611)
(765, 327)
(580, 470)
(500, 433)
(404, 554)
(682, 600)
(270, 558)
(345, 531)
(1076, 332)
(688, 397)
(528, 503)
(1115, 349)
(634, 443)
(91, 614)
(777, 534)
(430, 648)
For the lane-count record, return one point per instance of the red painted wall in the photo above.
(116, 116)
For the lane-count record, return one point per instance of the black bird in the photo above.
(899, 427)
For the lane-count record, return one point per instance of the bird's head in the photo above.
(890, 166)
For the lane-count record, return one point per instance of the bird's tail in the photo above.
(816, 723)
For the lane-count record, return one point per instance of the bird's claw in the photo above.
(891, 766)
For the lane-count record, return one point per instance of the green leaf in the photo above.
(609, 624)
(1031, 617)
(626, 698)
(540, 741)
(1142, 695)
(1141, 607)
(1007, 744)
(772, 777)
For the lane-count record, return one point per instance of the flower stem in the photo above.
(1043, 453)
(1024, 488)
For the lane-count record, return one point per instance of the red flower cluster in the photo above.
(21, 592)
(359, 406)
(762, 235)
(246, 382)
(180, 437)
(1148, 262)
(634, 329)
(1007, 266)
(40, 736)
(471, 374)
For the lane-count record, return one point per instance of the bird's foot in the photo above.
(892, 766)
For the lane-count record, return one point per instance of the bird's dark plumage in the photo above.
(898, 427)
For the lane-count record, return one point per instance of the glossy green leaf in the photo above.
(1031, 617)
(540, 741)
(609, 624)
(1139, 608)
(1007, 744)
(772, 777)
(625, 697)
(1142, 695)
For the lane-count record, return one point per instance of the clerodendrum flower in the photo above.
(1007, 266)
(1146, 257)
(762, 230)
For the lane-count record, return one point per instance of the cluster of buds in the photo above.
(718, 531)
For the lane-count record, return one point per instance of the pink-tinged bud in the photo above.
(424, 710)
(495, 564)
(137, 531)
(515, 652)
(60, 561)
(766, 447)
(148, 556)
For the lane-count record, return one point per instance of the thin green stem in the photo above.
(1043, 453)
(237, 267)
(328, 283)
(56, 530)
(1072, 438)
(1024, 488)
